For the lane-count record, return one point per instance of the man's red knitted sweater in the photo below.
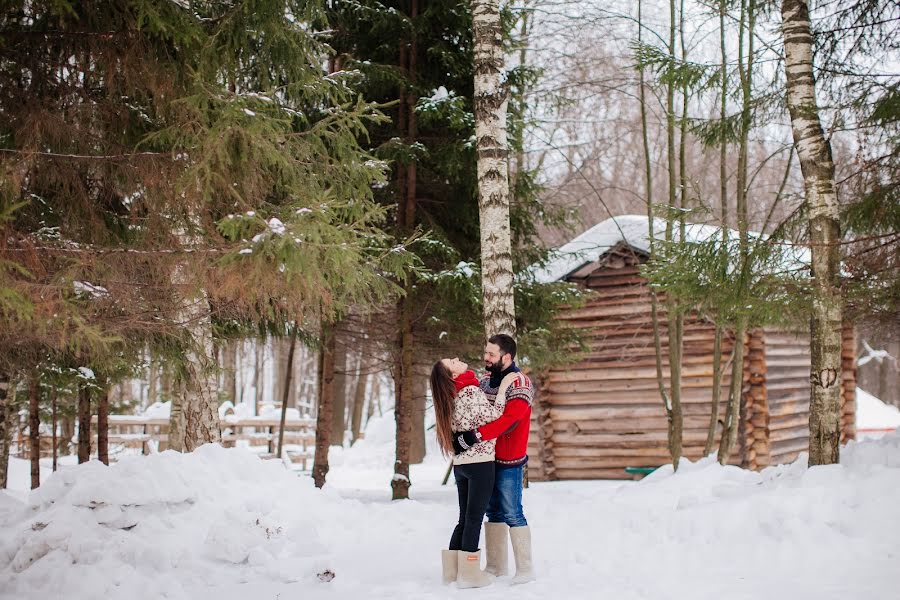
(511, 429)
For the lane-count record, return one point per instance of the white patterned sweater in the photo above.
(471, 410)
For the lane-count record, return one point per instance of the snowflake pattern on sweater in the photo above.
(471, 410)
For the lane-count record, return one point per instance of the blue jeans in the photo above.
(505, 505)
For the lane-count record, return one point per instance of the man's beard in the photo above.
(495, 368)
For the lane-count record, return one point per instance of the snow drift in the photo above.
(224, 524)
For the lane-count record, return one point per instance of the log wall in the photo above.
(848, 383)
(787, 387)
(754, 429)
(593, 419)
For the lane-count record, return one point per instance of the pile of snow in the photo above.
(146, 525)
(224, 525)
(158, 410)
(874, 417)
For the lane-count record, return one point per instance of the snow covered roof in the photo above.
(634, 231)
(873, 414)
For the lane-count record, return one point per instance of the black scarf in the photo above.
(497, 378)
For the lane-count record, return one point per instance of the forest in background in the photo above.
(189, 187)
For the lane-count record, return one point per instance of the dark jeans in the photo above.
(474, 484)
(505, 505)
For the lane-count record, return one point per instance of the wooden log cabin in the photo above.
(595, 418)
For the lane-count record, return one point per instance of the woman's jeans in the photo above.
(505, 505)
(474, 484)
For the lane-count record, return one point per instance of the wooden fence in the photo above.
(127, 431)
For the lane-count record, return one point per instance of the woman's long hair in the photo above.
(443, 393)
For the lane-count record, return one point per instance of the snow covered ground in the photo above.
(224, 525)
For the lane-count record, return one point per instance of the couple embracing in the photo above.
(485, 423)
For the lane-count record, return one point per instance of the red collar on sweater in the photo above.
(465, 379)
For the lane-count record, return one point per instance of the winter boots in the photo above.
(496, 547)
(521, 543)
(465, 567)
(449, 566)
(469, 573)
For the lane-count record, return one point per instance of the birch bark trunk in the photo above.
(817, 167)
(490, 104)
(194, 419)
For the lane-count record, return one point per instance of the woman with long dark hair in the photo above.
(460, 405)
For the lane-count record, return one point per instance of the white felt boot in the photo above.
(521, 545)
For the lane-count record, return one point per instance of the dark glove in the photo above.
(464, 440)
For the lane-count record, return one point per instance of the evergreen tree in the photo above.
(168, 163)
(416, 60)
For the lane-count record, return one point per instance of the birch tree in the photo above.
(490, 104)
(194, 417)
(817, 168)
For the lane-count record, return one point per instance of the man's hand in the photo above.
(464, 440)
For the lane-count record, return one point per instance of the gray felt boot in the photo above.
(521, 545)
(496, 548)
(469, 573)
(449, 566)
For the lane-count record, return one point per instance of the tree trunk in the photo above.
(197, 392)
(716, 392)
(166, 383)
(817, 168)
(176, 424)
(84, 423)
(296, 378)
(374, 399)
(67, 432)
(339, 406)
(675, 315)
(34, 429)
(259, 373)
(103, 426)
(732, 411)
(324, 416)
(651, 233)
(417, 431)
(288, 377)
(406, 217)
(403, 384)
(53, 425)
(747, 25)
(723, 199)
(229, 360)
(490, 102)
(359, 398)
(7, 423)
(197, 421)
(153, 383)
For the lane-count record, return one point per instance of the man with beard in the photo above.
(506, 519)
